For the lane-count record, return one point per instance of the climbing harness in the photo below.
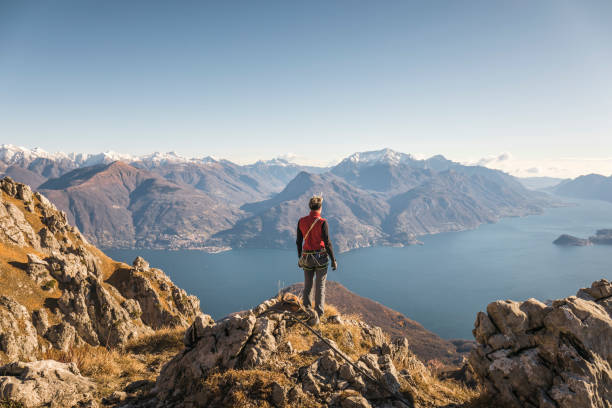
(315, 257)
(292, 301)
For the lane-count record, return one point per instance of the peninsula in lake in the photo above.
(601, 237)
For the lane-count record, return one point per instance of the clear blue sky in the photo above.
(257, 79)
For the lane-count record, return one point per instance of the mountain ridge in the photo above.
(371, 198)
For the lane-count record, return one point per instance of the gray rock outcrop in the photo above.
(255, 339)
(18, 337)
(140, 283)
(46, 383)
(90, 302)
(533, 355)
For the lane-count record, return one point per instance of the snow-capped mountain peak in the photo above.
(12, 154)
(387, 156)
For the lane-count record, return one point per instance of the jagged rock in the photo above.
(355, 401)
(140, 264)
(279, 397)
(38, 269)
(196, 330)
(295, 394)
(90, 308)
(14, 228)
(24, 192)
(48, 240)
(320, 346)
(219, 346)
(69, 268)
(335, 319)
(40, 320)
(261, 344)
(56, 221)
(133, 308)
(176, 309)
(530, 354)
(8, 186)
(62, 336)
(18, 337)
(96, 313)
(255, 339)
(45, 383)
(600, 291)
(375, 334)
(115, 397)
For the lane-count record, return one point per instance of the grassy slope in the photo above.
(425, 344)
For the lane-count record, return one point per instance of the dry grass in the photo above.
(429, 391)
(248, 388)
(11, 404)
(14, 279)
(113, 369)
(161, 341)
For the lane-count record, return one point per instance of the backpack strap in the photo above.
(310, 229)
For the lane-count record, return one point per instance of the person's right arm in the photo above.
(298, 240)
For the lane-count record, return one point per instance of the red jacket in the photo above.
(318, 238)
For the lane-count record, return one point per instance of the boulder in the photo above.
(62, 336)
(220, 346)
(18, 337)
(355, 401)
(38, 269)
(40, 320)
(196, 330)
(14, 228)
(46, 383)
(140, 264)
(530, 354)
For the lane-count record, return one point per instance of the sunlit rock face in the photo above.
(534, 355)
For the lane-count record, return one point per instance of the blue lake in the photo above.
(441, 284)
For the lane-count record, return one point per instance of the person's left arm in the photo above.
(328, 244)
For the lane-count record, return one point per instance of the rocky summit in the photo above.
(531, 354)
(264, 357)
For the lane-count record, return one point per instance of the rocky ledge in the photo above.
(531, 354)
(263, 357)
(260, 339)
(46, 383)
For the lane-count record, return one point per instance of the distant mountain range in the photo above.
(386, 198)
(540, 183)
(165, 201)
(591, 186)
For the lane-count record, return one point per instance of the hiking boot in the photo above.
(313, 321)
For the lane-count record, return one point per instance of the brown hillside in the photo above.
(425, 344)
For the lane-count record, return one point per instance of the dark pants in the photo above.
(319, 276)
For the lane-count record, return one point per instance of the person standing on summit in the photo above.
(314, 252)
